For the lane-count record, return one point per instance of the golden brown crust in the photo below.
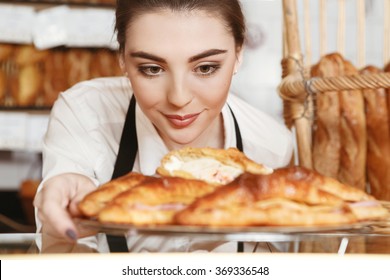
(3, 86)
(326, 134)
(288, 196)
(95, 201)
(387, 69)
(28, 54)
(153, 202)
(368, 210)
(378, 139)
(353, 135)
(6, 51)
(104, 64)
(77, 65)
(269, 212)
(30, 85)
(56, 76)
(230, 158)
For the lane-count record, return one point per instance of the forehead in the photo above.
(168, 31)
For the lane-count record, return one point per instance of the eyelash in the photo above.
(145, 70)
(214, 67)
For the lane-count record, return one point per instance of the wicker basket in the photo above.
(298, 89)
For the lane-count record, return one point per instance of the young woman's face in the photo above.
(180, 66)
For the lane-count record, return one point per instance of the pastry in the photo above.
(95, 201)
(216, 166)
(153, 202)
(292, 196)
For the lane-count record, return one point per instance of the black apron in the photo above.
(128, 148)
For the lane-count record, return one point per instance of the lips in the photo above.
(182, 121)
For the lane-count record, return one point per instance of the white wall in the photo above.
(260, 72)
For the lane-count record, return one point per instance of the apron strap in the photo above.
(127, 152)
(239, 145)
(128, 146)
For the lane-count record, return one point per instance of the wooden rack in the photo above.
(298, 89)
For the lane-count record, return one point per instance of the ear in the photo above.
(239, 56)
(122, 64)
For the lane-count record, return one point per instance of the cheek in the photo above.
(145, 91)
(214, 90)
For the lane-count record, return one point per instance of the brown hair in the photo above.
(229, 10)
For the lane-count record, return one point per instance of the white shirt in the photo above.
(85, 128)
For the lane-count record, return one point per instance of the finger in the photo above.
(87, 187)
(60, 222)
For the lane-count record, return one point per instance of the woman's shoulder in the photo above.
(107, 88)
(97, 94)
(95, 101)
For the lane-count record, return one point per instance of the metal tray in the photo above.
(172, 229)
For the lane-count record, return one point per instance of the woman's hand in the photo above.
(57, 203)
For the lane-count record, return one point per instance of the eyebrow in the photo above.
(204, 54)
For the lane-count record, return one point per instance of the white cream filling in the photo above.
(207, 169)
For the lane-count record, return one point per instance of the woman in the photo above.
(178, 58)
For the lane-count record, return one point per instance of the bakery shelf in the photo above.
(84, 3)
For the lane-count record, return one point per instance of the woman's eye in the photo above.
(150, 70)
(206, 69)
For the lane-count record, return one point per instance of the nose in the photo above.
(179, 93)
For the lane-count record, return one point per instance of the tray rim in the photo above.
(202, 230)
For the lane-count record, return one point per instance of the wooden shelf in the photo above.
(84, 3)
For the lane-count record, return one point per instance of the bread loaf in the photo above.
(387, 69)
(28, 54)
(5, 51)
(104, 64)
(378, 136)
(30, 83)
(353, 135)
(326, 134)
(56, 76)
(78, 65)
(3, 86)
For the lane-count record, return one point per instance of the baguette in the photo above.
(378, 136)
(326, 134)
(352, 169)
